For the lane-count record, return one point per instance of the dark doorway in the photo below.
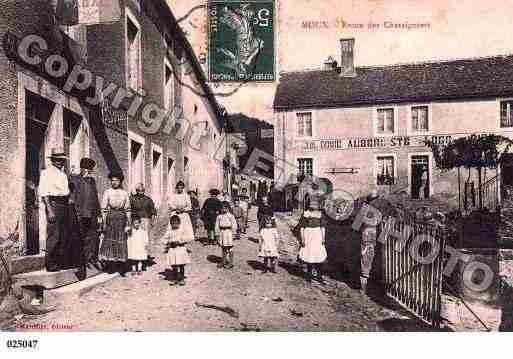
(420, 177)
(38, 113)
(507, 169)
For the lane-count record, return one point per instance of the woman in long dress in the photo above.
(116, 217)
(180, 204)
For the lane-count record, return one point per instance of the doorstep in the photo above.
(26, 264)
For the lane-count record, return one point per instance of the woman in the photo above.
(116, 217)
(180, 204)
(313, 231)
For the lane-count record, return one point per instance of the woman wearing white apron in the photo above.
(179, 204)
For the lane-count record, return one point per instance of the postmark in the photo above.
(241, 41)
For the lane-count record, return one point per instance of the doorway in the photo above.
(420, 177)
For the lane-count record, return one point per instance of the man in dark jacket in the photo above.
(209, 212)
(84, 197)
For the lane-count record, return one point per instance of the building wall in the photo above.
(449, 118)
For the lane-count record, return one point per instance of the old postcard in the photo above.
(255, 166)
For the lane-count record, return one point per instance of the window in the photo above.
(76, 142)
(305, 166)
(133, 54)
(171, 176)
(385, 121)
(156, 176)
(419, 119)
(168, 86)
(304, 124)
(385, 170)
(507, 113)
(136, 163)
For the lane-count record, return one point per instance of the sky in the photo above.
(451, 29)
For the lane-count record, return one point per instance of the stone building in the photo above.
(365, 127)
(144, 62)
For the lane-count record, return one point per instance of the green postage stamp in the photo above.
(241, 40)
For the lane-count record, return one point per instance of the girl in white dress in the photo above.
(313, 230)
(180, 204)
(226, 226)
(137, 245)
(177, 252)
(269, 239)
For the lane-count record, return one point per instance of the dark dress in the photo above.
(211, 208)
(264, 210)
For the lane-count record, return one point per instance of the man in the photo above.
(84, 196)
(54, 192)
(211, 208)
(143, 207)
(368, 245)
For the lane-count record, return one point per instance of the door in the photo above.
(38, 114)
(420, 181)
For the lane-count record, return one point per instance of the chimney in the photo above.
(347, 58)
(330, 64)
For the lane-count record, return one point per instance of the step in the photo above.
(27, 264)
(72, 292)
(50, 280)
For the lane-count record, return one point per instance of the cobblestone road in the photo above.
(252, 300)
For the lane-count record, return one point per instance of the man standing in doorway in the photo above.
(143, 207)
(84, 196)
(54, 192)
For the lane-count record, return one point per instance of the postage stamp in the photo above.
(241, 41)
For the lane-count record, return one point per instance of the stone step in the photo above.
(27, 264)
(50, 280)
(70, 293)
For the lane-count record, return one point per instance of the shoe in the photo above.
(139, 273)
(220, 265)
(264, 271)
(229, 266)
(132, 274)
(173, 283)
(181, 283)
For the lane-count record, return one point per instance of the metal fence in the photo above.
(413, 266)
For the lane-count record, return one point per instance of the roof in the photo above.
(166, 12)
(416, 82)
(240, 122)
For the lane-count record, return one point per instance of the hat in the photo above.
(87, 163)
(214, 192)
(117, 175)
(58, 153)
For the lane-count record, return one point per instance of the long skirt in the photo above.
(178, 256)
(186, 225)
(269, 248)
(114, 244)
(226, 238)
(313, 251)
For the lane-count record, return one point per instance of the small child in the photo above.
(177, 253)
(244, 204)
(238, 213)
(226, 225)
(137, 246)
(269, 238)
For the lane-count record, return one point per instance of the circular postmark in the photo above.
(339, 204)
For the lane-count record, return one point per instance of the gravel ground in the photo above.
(243, 298)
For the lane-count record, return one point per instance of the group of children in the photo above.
(228, 225)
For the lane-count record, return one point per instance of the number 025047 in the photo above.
(21, 344)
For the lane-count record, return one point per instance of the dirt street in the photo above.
(227, 300)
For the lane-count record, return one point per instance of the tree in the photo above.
(475, 151)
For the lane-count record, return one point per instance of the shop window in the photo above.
(385, 121)
(419, 119)
(304, 124)
(507, 113)
(385, 170)
(134, 67)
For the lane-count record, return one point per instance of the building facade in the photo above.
(365, 128)
(143, 56)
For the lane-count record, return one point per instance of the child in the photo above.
(137, 245)
(269, 238)
(209, 213)
(264, 210)
(313, 230)
(177, 253)
(238, 213)
(244, 203)
(226, 225)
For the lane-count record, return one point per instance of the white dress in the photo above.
(269, 242)
(137, 243)
(179, 254)
(314, 250)
(226, 225)
(182, 201)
